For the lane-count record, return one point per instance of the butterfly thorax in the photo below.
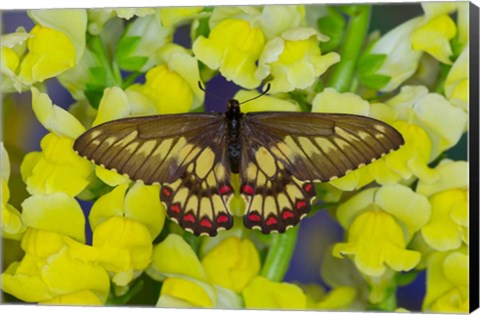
(234, 117)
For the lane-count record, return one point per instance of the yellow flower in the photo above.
(117, 104)
(56, 44)
(337, 299)
(447, 283)
(262, 293)
(433, 37)
(233, 47)
(448, 225)
(12, 225)
(140, 204)
(55, 212)
(71, 22)
(50, 274)
(173, 16)
(457, 82)
(401, 60)
(124, 225)
(265, 103)
(379, 224)
(227, 268)
(410, 160)
(124, 248)
(294, 60)
(50, 53)
(232, 264)
(173, 85)
(432, 112)
(13, 47)
(272, 20)
(56, 169)
(375, 239)
(53, 117)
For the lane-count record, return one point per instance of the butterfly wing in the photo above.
(184, 153)
(283, 154)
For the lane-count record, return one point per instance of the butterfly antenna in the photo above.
(259, 95)
(202, 87)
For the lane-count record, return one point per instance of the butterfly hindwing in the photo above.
(184, 153)
(283, 154)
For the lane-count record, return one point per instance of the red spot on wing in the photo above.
(167, 192)
(225, 189)
(189, 217)
(308, 187)
(271, 221)
(222, 218)
(175, 208)
(248, 189)
(287, 214)
(206, 223)
(254, 217)
(300, 204)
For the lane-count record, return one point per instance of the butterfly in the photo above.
(278, 156)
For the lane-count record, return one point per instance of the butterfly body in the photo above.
(278, 156)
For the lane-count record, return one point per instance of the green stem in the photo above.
(342, 75)
(97, 48)
(439, 86)
(279, 254)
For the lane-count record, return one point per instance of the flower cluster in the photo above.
(86, 235)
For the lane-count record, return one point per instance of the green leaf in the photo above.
(370, 63)
(124, 54)
(134, 63)
(332, 25)
(203, 28)
(374, 81)
(126, 46)
(94, 96)
(405, 278)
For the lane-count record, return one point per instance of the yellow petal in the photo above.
(433, 37)
(142, 204)
(174, 256)
(262, 293)
(110, 177)
(170, 92)
(56, 212)
(408, 207)
(55, 118)
(232, 264)
(233, 47)
(108, 205)
(331, 101)
(442, 232)
(57, 169)
(124, 237)
(187, 291)
(84, 297)
(338, 298)
(376, 240)
(71, 22)
(50, 53)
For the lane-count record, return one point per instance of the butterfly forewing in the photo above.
(283, 153)
(184, 153)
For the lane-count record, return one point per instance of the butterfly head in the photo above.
(233, 106)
